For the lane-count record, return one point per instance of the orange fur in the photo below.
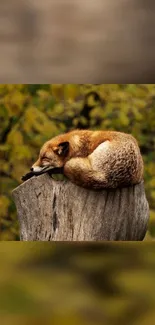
(95, 159)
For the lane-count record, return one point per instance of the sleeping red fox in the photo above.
(94, 159)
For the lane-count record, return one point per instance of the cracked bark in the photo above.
(50, 210)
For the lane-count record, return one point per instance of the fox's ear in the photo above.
(62, 149)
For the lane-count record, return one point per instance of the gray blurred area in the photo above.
(76, 41)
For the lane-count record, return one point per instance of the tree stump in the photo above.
(50, 210)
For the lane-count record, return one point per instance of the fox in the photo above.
(93, 159)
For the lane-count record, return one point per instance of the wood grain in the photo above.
(50, 210)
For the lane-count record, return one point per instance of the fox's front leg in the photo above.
(80, 172)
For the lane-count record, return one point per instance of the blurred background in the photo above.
(79, 41)
(33, 113)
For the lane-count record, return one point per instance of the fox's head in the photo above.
(51, 156)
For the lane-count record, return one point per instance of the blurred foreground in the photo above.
(111, 284)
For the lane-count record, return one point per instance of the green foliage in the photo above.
(32, 114)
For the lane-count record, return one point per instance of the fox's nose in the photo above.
(31, 169)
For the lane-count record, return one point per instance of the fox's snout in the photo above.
(36, 168)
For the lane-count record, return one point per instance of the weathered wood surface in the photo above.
(61, 211)
(77, 41)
